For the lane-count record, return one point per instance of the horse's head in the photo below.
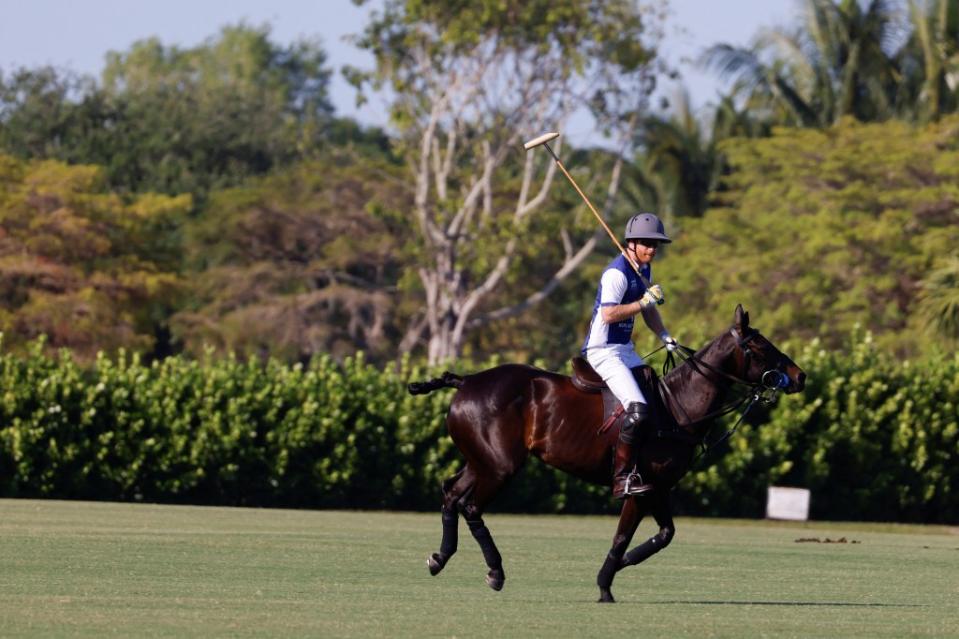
(757, 361)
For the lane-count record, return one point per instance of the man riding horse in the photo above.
(501, 416)
(608, 348)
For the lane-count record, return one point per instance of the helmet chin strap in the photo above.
(634, 252)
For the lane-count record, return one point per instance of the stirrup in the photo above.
(635, 485)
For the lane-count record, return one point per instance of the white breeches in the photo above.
(613, 362)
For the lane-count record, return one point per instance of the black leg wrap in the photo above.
(495, 577)
(605, 577)
(450, 533)
(648, 548)
(437, 561)
(485, 540)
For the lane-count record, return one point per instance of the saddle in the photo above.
(587, 380)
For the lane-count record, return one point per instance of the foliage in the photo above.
(678, 163)
(177, 120)
(46, 113)
(869, 60)
(584, 31)
(233, 106)
(835, 65)
(816, 231)
(939, 300)
(217, 431)
(929, 61)
(299, 263)
(83, 266)
(872, 437)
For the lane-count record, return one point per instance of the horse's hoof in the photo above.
(495, 579)
(435, 563)
(605, 596)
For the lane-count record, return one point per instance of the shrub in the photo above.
(873, 438)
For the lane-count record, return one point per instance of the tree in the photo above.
(471, 81)
(929, 61)
(81, 265)
(173, 120)
(838, 63)
(36, 113)
(679, 160)
(234, 106)
(817, 232)
(299, 263)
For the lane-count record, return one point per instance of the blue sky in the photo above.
(78, 34)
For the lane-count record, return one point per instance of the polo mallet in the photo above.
(543, 141)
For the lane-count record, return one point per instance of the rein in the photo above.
(765, 391)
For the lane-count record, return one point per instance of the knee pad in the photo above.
(636, 414)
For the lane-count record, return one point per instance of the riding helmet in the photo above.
(646, 226)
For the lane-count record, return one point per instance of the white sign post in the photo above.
(787, 503)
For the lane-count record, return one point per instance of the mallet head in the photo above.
(543, 139)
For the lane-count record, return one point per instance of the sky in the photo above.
(77, 35)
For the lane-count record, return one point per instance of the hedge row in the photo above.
(873, 438)
(218, 431)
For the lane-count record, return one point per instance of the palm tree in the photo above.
(930, 60)
(838, 63)
(678, 161)
(730, 121)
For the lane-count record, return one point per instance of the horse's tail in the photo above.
(447, 380)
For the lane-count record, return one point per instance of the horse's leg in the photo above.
(485, 488)
(661, 511)
(495, 577)
(629, 518)
(453, 490)
(487, 422)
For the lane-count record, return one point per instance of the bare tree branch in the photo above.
(570, 265)
(414, 333)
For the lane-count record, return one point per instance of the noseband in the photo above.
(772, 378)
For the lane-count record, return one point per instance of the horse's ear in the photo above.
(741, 318)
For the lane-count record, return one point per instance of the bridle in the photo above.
(765, 391)
(772, 379)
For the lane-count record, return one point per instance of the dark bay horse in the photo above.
(501, 416)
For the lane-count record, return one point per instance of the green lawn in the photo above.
(80, 568)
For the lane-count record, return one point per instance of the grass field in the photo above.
(79, 568)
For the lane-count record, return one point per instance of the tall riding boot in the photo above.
(626, 481)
